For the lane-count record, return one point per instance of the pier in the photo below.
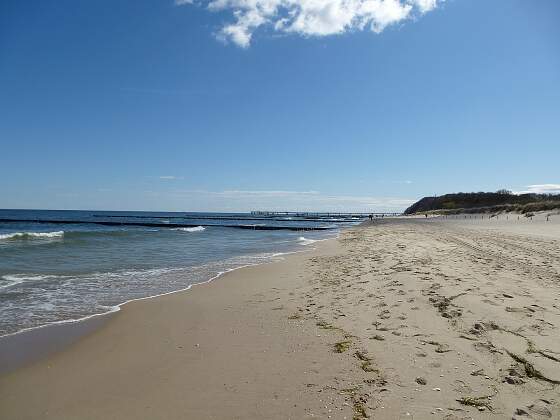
(166, 225)
(319, 220)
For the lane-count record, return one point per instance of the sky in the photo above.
(237, 105)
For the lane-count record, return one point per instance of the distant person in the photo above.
(426, 215)
(371, 217)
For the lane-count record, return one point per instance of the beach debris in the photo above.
(487, 346)
(326, 326)
(477, 402)
(342, 346)
(445, 306)
(378, 337)
(513, 380)
(530, 370)
(359, 406)
(440, 348)
(366, 361)
(478, 328)
(420, 380)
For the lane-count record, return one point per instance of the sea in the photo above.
(61, 266)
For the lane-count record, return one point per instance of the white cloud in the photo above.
(541, 189)
(311, 17)
(426, 5)
(240, 193)
(285, 200)
(266, 193)
(170, 177)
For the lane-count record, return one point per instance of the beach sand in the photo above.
(400, 319)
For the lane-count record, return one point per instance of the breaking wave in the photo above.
(304, 241)
(192, 229)
(9, 280)
(31, 235)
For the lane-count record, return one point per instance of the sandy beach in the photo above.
(398, 319)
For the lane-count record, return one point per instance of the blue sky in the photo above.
(155, 105)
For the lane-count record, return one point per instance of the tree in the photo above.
(503, 191)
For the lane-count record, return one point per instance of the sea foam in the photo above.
(192, 229)
(9, 280)
(304, 241)
(31, 235)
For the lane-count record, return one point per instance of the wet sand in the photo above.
(405, 318)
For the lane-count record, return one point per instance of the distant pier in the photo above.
(166, 225)
(290, 219)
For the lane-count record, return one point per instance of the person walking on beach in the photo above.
(371, 217)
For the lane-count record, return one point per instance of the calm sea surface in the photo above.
(55, 272)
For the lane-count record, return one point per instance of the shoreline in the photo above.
(404, 318)
(117, 307)
(182, 322)
(58, 335)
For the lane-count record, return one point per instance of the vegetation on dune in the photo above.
(486, 202)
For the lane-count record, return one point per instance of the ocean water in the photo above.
(69, 269)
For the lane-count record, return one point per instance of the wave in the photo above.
(214, 273)
(192, 229)
(304, 241)
(31, 235)
(10, 280)
(74, 234)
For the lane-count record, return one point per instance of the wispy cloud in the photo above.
(170, 177)
(541, 189)
(267, 193)
(245, 200)
(311, 17)
(249, 193)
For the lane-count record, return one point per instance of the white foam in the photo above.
(192, 229)
(108, 309)
(118, 307)
(304, 241)
(31, 235)
(13, 279)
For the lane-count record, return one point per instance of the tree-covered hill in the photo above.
(501, 200)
